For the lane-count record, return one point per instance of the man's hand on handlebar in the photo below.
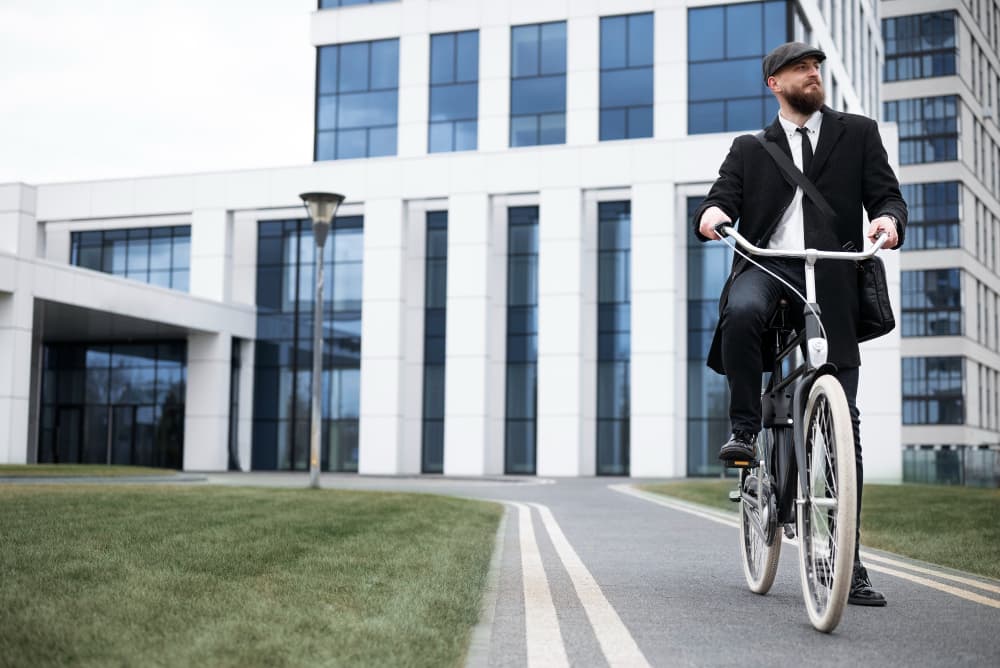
(711, 219)
(888, 226)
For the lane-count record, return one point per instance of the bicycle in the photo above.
(805, 473)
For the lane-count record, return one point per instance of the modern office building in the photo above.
(942, 88)
(512, 286)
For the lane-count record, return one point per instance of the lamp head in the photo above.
(322, 207)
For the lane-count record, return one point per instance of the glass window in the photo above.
(283, 364)
(454, 93)
(932, 302)
(435, 323)
(358, 100)
(119, 403)
(707, 393)
(156, 255)
(725, 47)
(934, 218)
(928, 128)
(522, 334)
(330, 4)
(920, 46)
(626, 77)
(613, 336)
(538, 84)
(933, 390)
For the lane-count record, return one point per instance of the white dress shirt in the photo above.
(790, 232)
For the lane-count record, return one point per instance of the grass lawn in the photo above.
(77, 470)
(957, 527)
(130, 575)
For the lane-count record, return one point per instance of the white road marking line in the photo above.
(868, 556)
(542, 634)
(933, 584)
(711, 515)
(617, 644)
(676, 505)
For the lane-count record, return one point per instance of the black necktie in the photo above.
(807, 149)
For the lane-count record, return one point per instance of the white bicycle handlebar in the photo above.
(808, 254)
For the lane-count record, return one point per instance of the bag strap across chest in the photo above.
(792, 172)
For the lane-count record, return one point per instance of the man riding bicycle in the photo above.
(843, 155)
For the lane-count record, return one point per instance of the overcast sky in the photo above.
(95, 89)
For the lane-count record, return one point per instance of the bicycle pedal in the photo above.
(741, 464)
(734, 495)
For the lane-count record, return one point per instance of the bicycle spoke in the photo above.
(823, 505)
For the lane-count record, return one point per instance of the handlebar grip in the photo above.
(718, 228)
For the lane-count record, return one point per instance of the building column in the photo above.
(473, 423)
(880, 397)
(211, 253)
(383, 333)
(412, 388)
(206, 402)
(494, 88)
(244, 430)
(414, 94)
(567, 330)
(583, 67)
(15, 375)
(658, 439)
(19, 238)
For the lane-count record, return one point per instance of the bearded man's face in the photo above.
(802, 86)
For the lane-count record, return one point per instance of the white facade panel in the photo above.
(562, 444)
(471, 445)
(206, 414)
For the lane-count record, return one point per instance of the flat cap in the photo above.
(786, 54)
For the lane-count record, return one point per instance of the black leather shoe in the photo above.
(861, 589)
(739, 450)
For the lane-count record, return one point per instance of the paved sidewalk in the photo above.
(592, 575)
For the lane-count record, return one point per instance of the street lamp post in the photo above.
(322, 207)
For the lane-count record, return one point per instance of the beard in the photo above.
(806, 100)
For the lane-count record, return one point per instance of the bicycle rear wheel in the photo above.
(827, 518)
(760, 542)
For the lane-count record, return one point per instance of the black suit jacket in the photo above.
(851, 169)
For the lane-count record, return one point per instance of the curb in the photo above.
(482, 634)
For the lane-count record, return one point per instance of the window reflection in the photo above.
(928, 128)
(283, 357)
(155, 255)
(435, 323)
(454, 92)
(932, 390)
(113, 404)
(357, 100)
(522, 332)
(538, 84)
(919, 46)
(626, 77)
(933, 215)
(614, 244)
(725, 47)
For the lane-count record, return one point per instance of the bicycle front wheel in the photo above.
(760, 542)
(827, 510)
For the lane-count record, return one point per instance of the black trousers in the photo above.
(753, 297)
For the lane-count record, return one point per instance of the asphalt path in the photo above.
(590, 572)
(587, 573)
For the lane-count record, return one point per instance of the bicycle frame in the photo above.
(813, 346)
